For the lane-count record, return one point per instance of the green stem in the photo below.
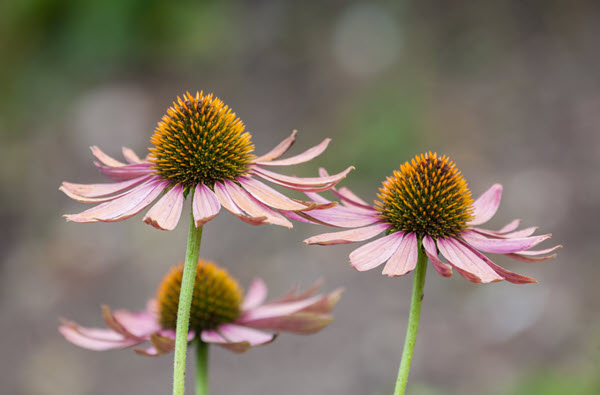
(185, 301)
(201, 367)
(413, 322)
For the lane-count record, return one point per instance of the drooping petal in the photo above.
(271, 197)
(532, 255)
(277, 309)
(507, 274)
(126, 172)
(302, 323)
(252, 206)
(123, 207)
(307, 155)
(227, 202)
(81, 191)
(279, 150)
(467, 261)
(514, 224)
(347, 236)
(295, 293)
(348, 197)
(140, 324)
(205, 205)
(375, 252)
(104, 158)
(311, 184)
(339, 217)
(442, 268)
(404, 259)
(256, 295)
(165, 214)
(486, 206)
(509, 235)
(130, 156)
(237, 338)
(160, 345)
(95, 338)
(502, 246)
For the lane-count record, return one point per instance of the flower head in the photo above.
(199, 147)
(219, 315)
(427, 203)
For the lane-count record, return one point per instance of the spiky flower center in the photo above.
(427, 196)
(200, 141)
(216, 299)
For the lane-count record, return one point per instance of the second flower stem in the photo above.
(201, 367)
(413, 322)
(185, 302)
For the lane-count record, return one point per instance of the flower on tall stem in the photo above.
(428, 201)
(200, 146)
(219, 315)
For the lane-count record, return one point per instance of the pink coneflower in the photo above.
(219, 315)
(428, 202)
(200, 147)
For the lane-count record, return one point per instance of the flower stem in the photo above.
(201, 367)
(413, 322)
(185, 301)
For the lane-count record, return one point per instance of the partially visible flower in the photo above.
(200, 146)
(427, 201)
(219, 315)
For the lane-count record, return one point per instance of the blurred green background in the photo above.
(509, 90)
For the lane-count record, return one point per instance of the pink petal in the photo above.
(237, 338)
(502, 246)
(326, 303)
(514, 224)
(105, 159)
(249, 204)
(130, 156)
(126, 172)
(347, 236)
(307, 155)
(311, 184)
(340, 216)
(256, 295)
(270, 196)
(486, 206)
(277, 309)
(442, 268)
(404, 258)
(302, 323)
(531, 255)
(375, 252)
(295, 294)
(465, 260)
(95, 338)
(227, 202)
(205, 205)
(123, 207)
(140, 324)
(279, 150)
(81, 191)
(508, 275)
(165, 214)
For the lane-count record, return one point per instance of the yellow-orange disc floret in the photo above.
(427, 196)
(216, 299)
(200, 141)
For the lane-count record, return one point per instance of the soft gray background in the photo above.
(510, 91)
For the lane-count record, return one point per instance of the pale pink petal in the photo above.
(532, 255)
(295, 293)
(253, 207)
(302, 323)
(271, 197)
(347, 236)
(126, 172)
(104, 158)
(95, 338)
(279, 150)
(237, 338)
(81, 191)
(307, 155)
(486, 206)
(165, 214)
(339, 216)
(326, 303)
(404, 259)
(466, 261)
(506, 274)
(277, 309)
(521, 233)
(311, 184)
(227, 202)
(140, 324)
(375, 252)
(256, 295)
(502, 246)
(442, 268)
(130, 156)
(514, 224)
(123, 207)
(205, 205)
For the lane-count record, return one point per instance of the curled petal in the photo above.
(464, 259)
(237, 338)
(502, 246)
(256, 295)
(347, 236)
(442, 268)
(404, 259)
(513, 225)
(104, 158)
(205, 205)
(301, 323)
(80, 192)
(310, 184)
(271, 197)
(307, 155)
(375, 252)
(249, 204)
(130, 156)
(95, 338)
(279, 150)
(165, 214)
(532, 255)
(339, 217)
(125, 172)
(486, 206)
(227, 202)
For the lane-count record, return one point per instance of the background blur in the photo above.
(510, 91)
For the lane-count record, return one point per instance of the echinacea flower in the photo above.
(200, 147)
(219, 315)
(428, 201)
